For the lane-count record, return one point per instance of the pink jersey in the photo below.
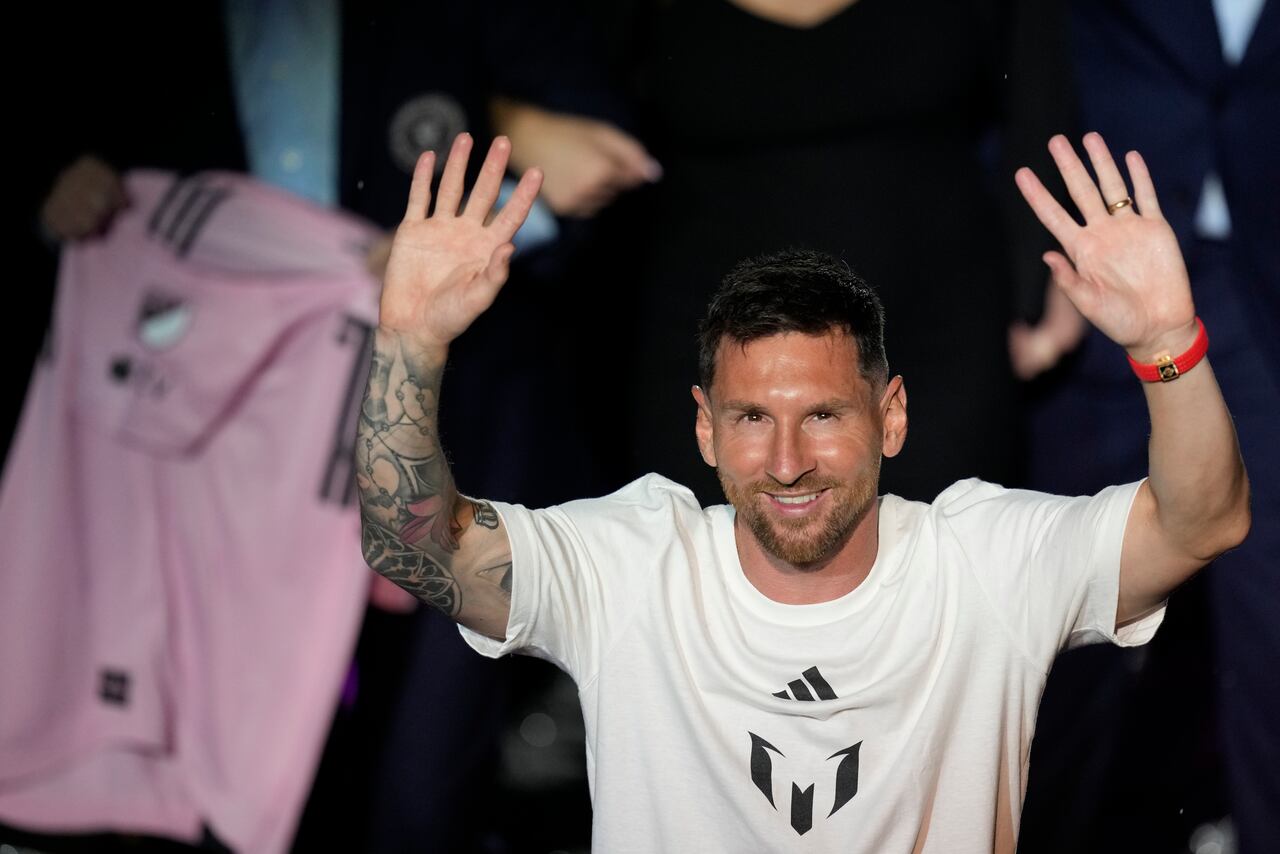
(180, 572)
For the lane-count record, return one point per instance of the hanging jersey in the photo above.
(180, 573)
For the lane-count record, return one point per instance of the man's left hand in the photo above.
(1125, 272)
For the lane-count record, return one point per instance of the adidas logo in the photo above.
(810, 687)
(184, 211)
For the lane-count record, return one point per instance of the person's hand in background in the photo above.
(586, 163)
(1036, 349)
(84, 198)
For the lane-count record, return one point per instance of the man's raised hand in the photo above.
(446, 268)
(1125, 273)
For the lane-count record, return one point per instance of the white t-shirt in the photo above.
(896, 718)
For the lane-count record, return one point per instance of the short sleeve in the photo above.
(578, 571)
(1049, 565)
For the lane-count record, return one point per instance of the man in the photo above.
(814, 667)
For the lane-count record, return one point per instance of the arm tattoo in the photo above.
(409, 504)
(485, 515)
(502, 574)
(413, 569)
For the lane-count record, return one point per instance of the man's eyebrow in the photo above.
(834, 404)
(741, 406)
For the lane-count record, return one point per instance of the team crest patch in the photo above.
(163, 320)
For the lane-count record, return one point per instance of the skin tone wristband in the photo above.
(1168, 367)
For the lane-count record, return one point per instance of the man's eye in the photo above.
(823, 416)
(752, 417)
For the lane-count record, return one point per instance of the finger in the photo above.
(1066, 278)
(1143, 190)
(455, 171)
(420, 188)
(1081, 187)
(499, 265)
(1046, 207)
(485, 192)
(1110, 180)
(513, 213)
(632, 158)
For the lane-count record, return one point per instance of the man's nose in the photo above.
(790, 454)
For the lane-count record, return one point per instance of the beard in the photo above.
(805, 543)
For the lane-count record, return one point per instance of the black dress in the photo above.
(877, 136)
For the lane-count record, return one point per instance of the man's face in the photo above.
(796, 434)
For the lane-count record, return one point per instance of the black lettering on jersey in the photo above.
(339, 484)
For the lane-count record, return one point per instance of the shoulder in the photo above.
(975, 506)
(650, 508)
(651, 496)
(973, 498)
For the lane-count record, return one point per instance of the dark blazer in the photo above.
(1152, 77)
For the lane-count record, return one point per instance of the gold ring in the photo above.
(1120, 205)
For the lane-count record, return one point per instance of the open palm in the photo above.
(1125, 273)
(445, 269)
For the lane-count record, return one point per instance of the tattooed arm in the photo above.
(444, 271)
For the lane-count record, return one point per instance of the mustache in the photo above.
(806, 484)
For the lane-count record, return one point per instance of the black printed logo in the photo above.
(113, 687)
(845, 781)
(805, 688)
(184, 211)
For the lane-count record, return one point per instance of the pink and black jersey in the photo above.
(180, 572)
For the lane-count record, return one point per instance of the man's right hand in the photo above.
(446, 268)
(84, 198)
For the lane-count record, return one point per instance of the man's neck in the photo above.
(830, 579)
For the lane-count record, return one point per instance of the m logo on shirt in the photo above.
(844, 779)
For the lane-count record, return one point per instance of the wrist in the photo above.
(1167, 364)
(1171, 343)
(414, 345)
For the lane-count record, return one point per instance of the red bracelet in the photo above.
(1169, 367)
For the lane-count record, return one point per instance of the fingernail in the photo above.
(652, 170)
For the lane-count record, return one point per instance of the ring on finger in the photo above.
(1120, 205)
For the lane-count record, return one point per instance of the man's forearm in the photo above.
(411, 512)
(1196, 473)
(1195, 503)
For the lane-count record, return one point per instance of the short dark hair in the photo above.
(796, 290)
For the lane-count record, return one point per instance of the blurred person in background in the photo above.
(334, 102)
(1194, 84)
(860, 128)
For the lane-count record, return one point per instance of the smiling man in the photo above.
(812, 667)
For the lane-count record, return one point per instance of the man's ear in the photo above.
(893, 416)
(704, 428)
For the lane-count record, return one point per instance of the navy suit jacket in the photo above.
(1152, 77)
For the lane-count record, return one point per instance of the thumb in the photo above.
(1065, 277)
(499, 266)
